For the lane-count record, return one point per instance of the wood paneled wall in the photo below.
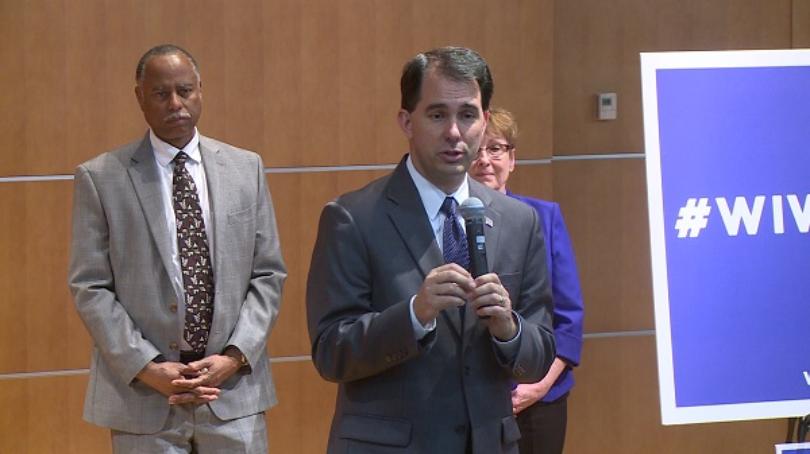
(310, 84)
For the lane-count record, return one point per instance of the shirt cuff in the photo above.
(510, 348)
(419, 330)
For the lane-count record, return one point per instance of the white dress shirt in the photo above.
(164, 153)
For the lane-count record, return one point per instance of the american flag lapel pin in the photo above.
(488, 221)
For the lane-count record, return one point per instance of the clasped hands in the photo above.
(193, 383)
(450, 285)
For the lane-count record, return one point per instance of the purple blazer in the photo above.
(566, 294)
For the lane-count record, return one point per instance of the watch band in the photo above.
(237, 354)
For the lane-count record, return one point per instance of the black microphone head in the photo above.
(472, 208)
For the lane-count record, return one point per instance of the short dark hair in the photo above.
(457, 63)
(163, 49)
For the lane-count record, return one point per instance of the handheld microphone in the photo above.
(472, 210)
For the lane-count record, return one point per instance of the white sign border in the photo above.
(781, 448)
(650, 63)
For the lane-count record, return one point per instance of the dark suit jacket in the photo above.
(374, 248)
(120, 257)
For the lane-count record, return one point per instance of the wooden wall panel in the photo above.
(43, 80)
(605, 207)
(12, 99)
(302, 83)
(67, 64)
(801, 24)
(519, 49)
(531, 180)
(37, 316)
(299, 199)
(43, 415)
(614, 408)
(597, 45)
(300, 422)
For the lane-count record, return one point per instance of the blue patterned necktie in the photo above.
(195, 259)
(454, 241)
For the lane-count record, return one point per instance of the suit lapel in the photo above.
(213, 164)
(407, 214)
(144, 174)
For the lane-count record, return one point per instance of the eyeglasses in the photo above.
(496, 150)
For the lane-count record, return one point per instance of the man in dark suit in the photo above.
(424, 353)
(176, 272)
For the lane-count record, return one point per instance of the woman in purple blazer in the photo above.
(540, 407)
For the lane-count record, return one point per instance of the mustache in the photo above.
(182, 115)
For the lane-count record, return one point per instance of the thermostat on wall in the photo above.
(606, 106)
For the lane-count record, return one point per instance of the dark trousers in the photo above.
(542, 427)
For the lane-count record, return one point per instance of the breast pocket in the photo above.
(242, 216)
(239, 234)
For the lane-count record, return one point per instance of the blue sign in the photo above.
(728, 173)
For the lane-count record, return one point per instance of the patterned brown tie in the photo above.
(195, 260)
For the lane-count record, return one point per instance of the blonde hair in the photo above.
(502, 123)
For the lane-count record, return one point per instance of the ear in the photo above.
(404, 120)
(139, 95)
(484, 129)
(511, 160)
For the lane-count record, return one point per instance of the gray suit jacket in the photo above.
(396, 394)
(120, 257)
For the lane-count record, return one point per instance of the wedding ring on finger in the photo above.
(203, 371)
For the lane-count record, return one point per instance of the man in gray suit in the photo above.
(416, 372)
(176, 272)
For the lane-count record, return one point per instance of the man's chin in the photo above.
(455, 169)
(177, 138)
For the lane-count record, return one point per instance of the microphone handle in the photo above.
(476, 245)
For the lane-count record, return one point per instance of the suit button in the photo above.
(461, 429)
(173, 346)
(173, 308)
(466, 370)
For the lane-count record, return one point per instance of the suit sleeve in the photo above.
(260, 309)
(536, 350)
(351, 339)
(568, 306)
(92, 284)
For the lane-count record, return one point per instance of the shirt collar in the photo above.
(165, 152)
(433, 197)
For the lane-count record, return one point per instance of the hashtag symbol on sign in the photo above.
(693, 217)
